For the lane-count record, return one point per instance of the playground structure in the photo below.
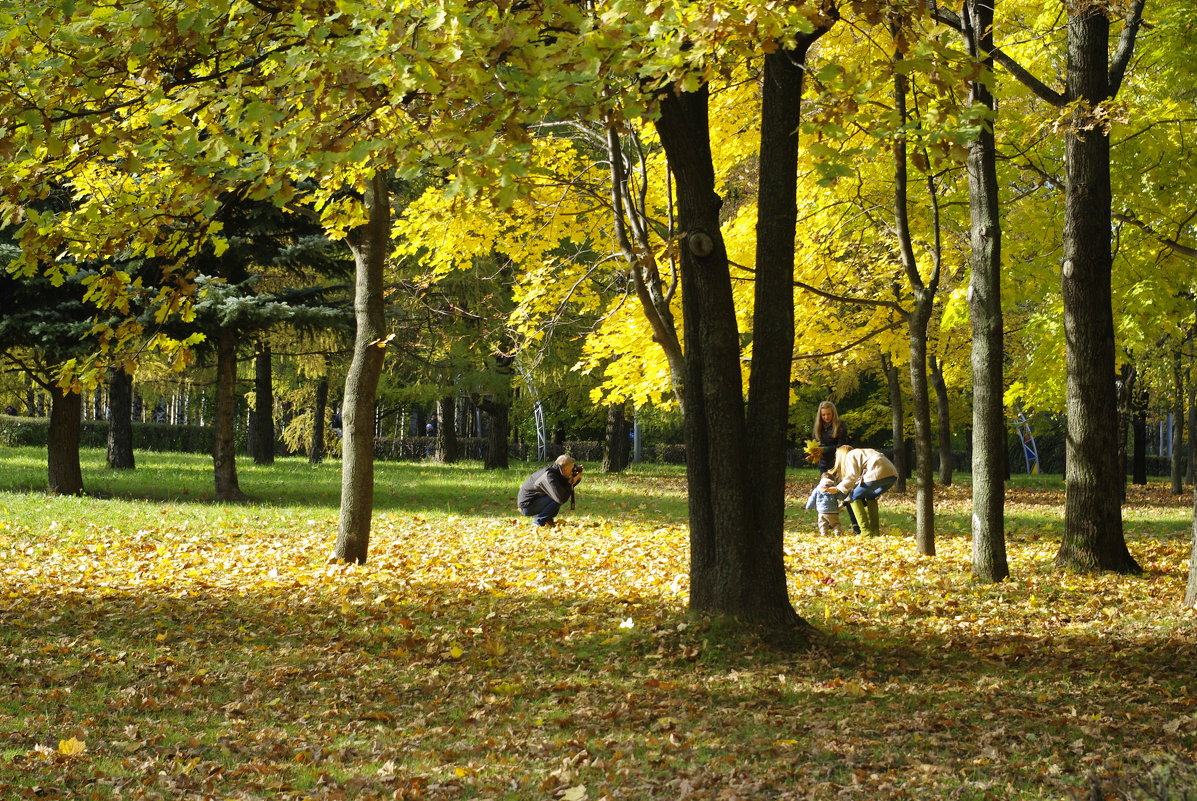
(1030, 451)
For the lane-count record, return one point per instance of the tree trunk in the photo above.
(943, 423)
(735, 457)
(1125, 389)
(224, 446)
(1178, 425)
(917, 323)
(498, 415)
(615, 440)
(62, 447)
(120, 420)
(897, 417)
(316, 447)
(921, 411)
(1191, 465)
(1093, 535)
(1191, 589)
(1138, 433)
(989, 462)
(262, 442)
(447, 451)
(370, 244)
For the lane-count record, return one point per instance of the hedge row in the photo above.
(34, 432)
(163, 437)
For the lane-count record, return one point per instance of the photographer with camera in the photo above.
(544, 492)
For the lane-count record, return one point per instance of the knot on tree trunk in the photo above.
(701, 244)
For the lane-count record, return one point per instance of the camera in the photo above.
(577, 468)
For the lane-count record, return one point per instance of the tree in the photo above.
(735, 524)
(261, 430)
(943, 421)
(1093, 535)
(1191, 587)
(120, 420)
(370, 244)
(42, 327)
(918, 318)
(985, 306)
(615, 439)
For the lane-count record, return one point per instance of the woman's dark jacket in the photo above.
(830, 442)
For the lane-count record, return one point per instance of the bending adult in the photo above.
(543, 493)
(863, 474)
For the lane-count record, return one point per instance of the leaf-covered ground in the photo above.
(184, 651)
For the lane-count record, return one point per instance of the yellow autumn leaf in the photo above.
(577, 793)
(71, 747)
(455, 651)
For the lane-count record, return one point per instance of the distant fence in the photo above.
(166, 437)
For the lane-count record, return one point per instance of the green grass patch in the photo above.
(157, 644)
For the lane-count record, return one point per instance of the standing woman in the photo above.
(830, 432)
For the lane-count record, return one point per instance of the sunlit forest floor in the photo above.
(158, 645)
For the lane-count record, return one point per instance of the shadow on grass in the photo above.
(435, 692)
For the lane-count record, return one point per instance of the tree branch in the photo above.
(1177, 247)
(850, 345)
(1126, 45)
(1020, 73)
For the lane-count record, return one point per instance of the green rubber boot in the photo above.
(874, 517)
(858, 509)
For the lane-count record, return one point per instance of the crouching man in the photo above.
(544, 492)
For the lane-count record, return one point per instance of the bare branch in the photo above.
(1126, 45)
(1177, 247)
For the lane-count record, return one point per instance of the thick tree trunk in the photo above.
(736, 457)
(989, 462)
(316, 446)
(120, 420)
(615, 440)
(897, 420)
(224, 446)
(722, 520)
(262, 443)
(1093, 535)
(943, 423)
(447, 451)
(62, 448)
(498, 415)
(369, 244)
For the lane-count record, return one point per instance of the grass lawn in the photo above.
(158, 645)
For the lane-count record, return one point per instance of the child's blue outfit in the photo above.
(828, 506)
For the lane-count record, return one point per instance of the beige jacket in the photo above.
(864, 464)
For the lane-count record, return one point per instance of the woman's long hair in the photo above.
(837, 425)
(841, 456)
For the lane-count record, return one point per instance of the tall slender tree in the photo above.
(985, 306)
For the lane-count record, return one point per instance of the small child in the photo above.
(824, 498)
